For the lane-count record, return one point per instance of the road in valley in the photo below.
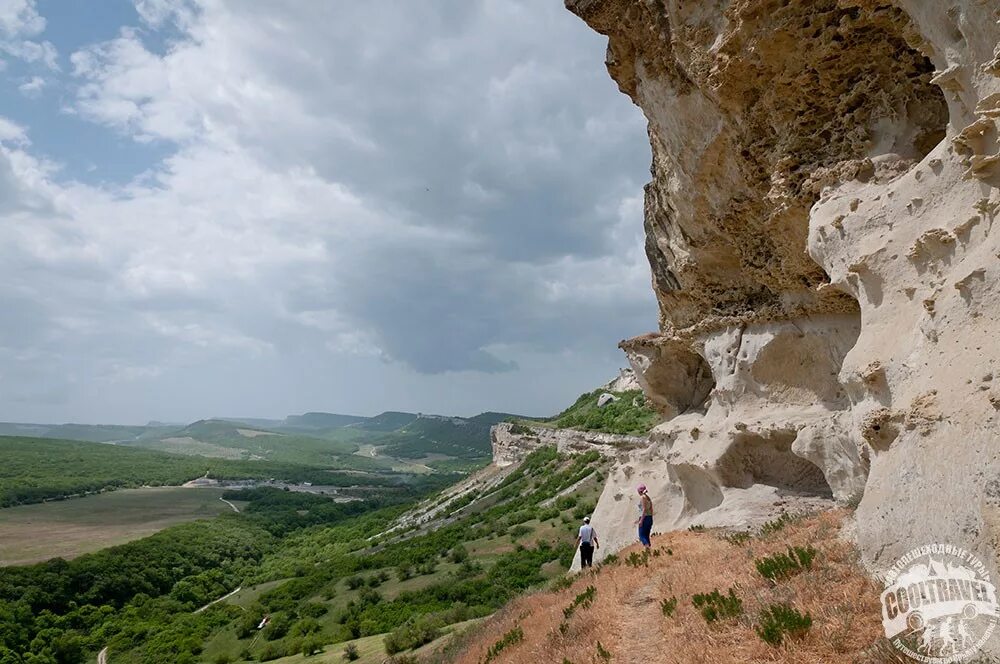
(214, 601)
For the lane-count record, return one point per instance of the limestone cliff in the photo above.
(819, 227)
(513, 442)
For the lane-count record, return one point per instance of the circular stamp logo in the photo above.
(939, 604)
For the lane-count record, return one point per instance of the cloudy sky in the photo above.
(260, 207)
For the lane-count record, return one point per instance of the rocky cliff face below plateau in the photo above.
(819, 226)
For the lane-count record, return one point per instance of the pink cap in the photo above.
(642, 488)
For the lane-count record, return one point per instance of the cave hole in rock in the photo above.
(767, 458)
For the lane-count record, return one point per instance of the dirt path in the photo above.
(643, 637)
(102, 657)
(235, 508)
(214, 601)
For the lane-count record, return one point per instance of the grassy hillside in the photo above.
(322, 572)
(36, 469)
(322, 420)
(455, 437)
(69, 528)
(629, 414)
(637, 607)
(387, 421)
(224, 439)
(97, 433)
(404, 442)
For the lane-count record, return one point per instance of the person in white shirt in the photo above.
(587, 541)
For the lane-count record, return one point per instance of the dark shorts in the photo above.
(586, 554)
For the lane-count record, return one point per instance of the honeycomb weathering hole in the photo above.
(767, 458)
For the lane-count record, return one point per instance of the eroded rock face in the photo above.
(819, 227)
(513, 442)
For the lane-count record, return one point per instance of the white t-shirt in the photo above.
(586, 534)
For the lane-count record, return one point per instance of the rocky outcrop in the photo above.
(512, 442)
(625, 380)
(819, 228)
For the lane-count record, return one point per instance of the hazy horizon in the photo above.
(217, 206)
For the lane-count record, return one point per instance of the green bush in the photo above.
(583, 600)
(784, 565)
(636, 559)
(773, 526)
(312, 645)
(780, 619)
(312, 610)
(519, 530)
(566, 502)
(351, 652)
(738, 538)
(414, 633)
(668, 606)
(509, 639)
(305, 626)
(714, 606)
(562, 583)
(603, 653)
(629, 414)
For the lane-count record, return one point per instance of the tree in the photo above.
(311, 645)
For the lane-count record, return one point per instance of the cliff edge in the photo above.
(819, 226)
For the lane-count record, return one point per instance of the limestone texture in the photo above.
(513, 442)
(819, 228)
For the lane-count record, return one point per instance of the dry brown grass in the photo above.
(627, 620)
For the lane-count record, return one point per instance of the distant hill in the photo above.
(315, 438)
(94, 433)
(221, 430)
(322, 420)
(465, 438)
(387, 421)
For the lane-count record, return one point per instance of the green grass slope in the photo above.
(629, 414)
(37, 469)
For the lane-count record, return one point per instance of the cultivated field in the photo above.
(69, 528)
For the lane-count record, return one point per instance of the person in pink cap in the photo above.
(645, 520)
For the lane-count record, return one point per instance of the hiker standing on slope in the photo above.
(645, 520)
(587, 541)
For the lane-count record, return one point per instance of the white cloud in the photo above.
(20, 20)
(340, 189)
(32, 88)
(13, 132)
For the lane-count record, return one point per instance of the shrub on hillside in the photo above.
(784, 565)
(511, 638)
(414, 633)
(311, 645)
(780, 619)
(715, 606)
(629, 414)
(773, 526)
(583, 600)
